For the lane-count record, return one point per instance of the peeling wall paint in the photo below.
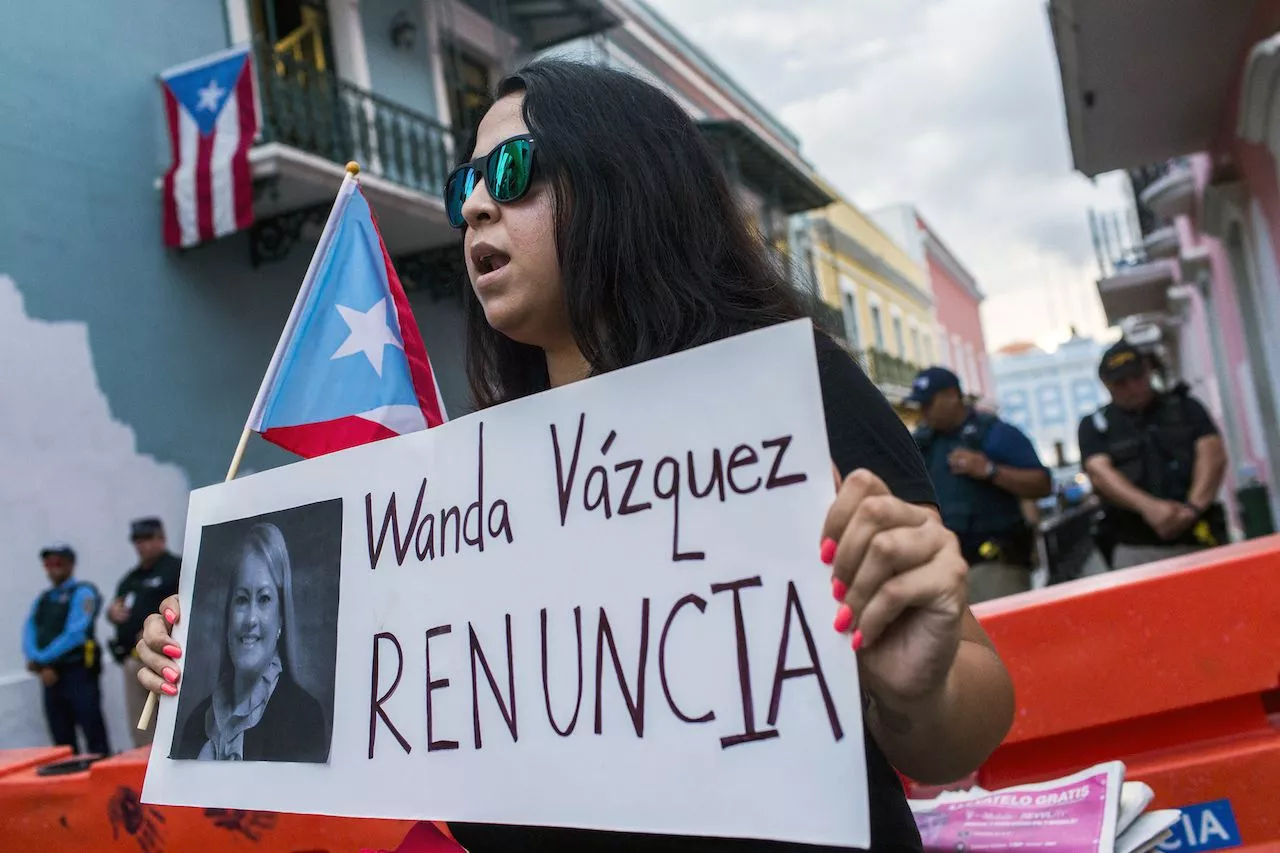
(72, 473)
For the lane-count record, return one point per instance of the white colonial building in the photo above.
(1047, 393)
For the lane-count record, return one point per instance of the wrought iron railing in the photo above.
(885, 369)
(318, 112)
(827, 318)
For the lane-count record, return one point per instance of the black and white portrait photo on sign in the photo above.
(259, 679)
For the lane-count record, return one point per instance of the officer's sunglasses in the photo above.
(507, 171)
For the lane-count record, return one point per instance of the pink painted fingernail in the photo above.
(170, 616)
(172, 651)
(844, 618)
(828, 552)
(170, 674)
(857, 639)
(168, 690)
(838, 589)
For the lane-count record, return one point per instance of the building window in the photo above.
(1014, 409)
(1085, 396)
(1051, 412)
(851, 319)
(928, 349)
(916, 355)
(897, 337)
(877, 327)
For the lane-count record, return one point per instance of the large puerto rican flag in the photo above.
(212, 118)
(350, 367)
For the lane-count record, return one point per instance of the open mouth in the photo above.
(491, 262)
(248, 641)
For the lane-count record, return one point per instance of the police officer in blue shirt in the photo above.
(58, 642)
(982, 469)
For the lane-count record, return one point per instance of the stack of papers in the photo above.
(1093, 811)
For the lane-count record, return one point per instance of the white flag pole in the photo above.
(254, 420)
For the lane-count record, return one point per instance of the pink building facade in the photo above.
(1185, 104)
(962, 346)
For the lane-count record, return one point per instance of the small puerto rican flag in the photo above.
(212, 118)
(350, 367)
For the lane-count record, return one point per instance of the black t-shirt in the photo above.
(148, 587)
(863, 432)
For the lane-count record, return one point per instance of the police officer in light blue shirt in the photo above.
(59, 645)
(982, 468)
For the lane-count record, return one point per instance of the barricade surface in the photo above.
(98, 809)
(1172, 668)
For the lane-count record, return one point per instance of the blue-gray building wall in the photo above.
(139, 363)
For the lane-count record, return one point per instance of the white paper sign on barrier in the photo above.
(597, 607)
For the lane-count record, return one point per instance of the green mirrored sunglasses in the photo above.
(507, 171)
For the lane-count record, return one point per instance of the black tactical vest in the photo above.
(968, 506)
(1156, 453)
(51, 617)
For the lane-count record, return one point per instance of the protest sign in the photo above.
(597, 607)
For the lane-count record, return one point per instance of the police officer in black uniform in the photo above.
(1156, 460)
(982, 468)
(139, 594)
(58, 643)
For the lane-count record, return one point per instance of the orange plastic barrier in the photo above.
(98, 810)
(1172, 668)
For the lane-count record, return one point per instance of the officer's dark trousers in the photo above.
(76, 701)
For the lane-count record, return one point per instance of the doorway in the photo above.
(468, 81)
(298, 29)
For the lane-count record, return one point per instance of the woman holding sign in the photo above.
(600, 232)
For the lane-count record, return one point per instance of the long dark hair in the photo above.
(655, 252)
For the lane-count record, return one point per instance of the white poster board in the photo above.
(672, 509)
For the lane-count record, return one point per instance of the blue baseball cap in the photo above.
(930, 381)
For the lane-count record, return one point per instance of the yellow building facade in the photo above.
(881, 292)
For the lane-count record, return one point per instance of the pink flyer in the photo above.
(1072, 815)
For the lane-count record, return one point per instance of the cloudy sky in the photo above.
(954, 105)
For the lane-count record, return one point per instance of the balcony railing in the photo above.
(316, 111)
(885, 369)
(1117, 240)
(829, 319)
(1140, 179)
